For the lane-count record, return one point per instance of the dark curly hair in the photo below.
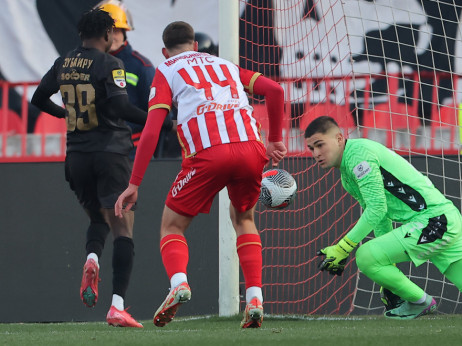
(94, 24)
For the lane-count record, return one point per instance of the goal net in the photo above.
(387, 70)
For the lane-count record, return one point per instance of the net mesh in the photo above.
(387, 70)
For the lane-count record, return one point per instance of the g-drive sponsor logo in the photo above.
(179, 185)
(209, 107)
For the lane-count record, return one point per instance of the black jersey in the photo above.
(87, 79)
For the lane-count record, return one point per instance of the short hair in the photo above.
(177, 33)
(320, 125)
(94, 24)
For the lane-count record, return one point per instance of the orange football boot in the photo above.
(253, 314)
(179, 295)
(89, 285)
(121, 318)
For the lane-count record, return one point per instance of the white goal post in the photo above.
(228, 287)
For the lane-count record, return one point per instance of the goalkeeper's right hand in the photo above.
(336, 256)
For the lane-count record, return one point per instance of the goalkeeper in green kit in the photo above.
(389, 188)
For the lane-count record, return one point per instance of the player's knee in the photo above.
(96, 216)
(239, 218)
(364, 258)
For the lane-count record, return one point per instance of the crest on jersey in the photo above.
(362, 170)
(119, 78)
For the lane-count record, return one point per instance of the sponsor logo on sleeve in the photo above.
(152, 93)
(361, 170)
(119, 78)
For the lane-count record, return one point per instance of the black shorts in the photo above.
(97, 178)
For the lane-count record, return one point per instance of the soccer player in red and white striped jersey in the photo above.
(222, 147)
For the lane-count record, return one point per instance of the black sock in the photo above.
(96, 236)
(122, 263)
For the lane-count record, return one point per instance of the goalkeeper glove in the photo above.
(389, 299)
(336, 256)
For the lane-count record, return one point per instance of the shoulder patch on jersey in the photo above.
(152, 93)
(362, 169)
(119, 78)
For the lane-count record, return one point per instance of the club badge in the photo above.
(119, 78)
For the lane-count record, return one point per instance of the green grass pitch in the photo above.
(436, 330)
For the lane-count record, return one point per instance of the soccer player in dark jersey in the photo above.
(93, 88)
(389, 188)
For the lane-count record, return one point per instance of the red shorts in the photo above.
(237, 166)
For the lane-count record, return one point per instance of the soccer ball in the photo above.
(278, 188)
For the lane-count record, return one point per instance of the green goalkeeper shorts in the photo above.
(438, 239)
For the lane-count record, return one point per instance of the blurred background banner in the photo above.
(34, 33)
(297, 42)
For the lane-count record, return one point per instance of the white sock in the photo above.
(94, 257)
(177, 279)
(253, 291)
(117, 302)
(421, 300)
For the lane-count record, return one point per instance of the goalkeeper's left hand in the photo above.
(336, 256)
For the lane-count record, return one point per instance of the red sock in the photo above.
(175, 254)
(249, 252)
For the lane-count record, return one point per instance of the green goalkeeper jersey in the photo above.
(387, 187)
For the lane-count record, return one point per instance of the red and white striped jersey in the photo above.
(208, 91)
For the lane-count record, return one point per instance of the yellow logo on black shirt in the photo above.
(119, 78)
